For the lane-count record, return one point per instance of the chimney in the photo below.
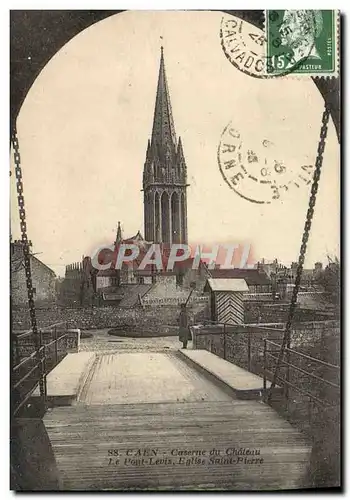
(260, 267)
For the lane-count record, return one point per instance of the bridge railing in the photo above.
(240, 344)
(310, 386)
(309, 379)
(33, 357)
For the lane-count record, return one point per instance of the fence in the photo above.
(33, 357)
(239, 344)
(260, 297)
(310, 385)
(172, 301)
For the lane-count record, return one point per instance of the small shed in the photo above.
(226, 299)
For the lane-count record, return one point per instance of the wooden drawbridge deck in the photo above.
(211, 441)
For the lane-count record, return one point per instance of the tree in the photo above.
(330, 278)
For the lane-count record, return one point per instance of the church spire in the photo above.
(119, 236)
(165, 174)
(163, 132)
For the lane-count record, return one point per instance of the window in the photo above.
(179, 279)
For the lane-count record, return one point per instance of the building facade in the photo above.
(43, 278)
(165, 174)
(256, 279)
(79, 284)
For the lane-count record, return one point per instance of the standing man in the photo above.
(184, 330)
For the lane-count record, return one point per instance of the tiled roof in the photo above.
(251, 276)
(226, 285)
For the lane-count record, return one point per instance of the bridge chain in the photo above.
(309, 216)
(26, 253)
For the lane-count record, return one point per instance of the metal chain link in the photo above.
(26, 250)
(303, 247)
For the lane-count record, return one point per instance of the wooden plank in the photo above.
(82, 455)
(241, 381)
(81, 436)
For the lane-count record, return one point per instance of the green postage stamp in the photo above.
(291, 42)
(301, 41)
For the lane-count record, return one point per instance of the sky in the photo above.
(84, 126)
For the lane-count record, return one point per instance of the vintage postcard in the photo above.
(175, 250)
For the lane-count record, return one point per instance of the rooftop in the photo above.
(251, 276)
(226, 285)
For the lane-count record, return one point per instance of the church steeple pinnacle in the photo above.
(163, 131)
(180, 153)
(148, 152)
(119, 237)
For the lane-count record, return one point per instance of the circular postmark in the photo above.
(257, 172)
(287, 42)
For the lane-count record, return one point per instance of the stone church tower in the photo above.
(165, 174)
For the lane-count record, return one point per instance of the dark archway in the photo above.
(165, 218)
(149, 214)
(175, 218)
(183, 219)
(157, 220)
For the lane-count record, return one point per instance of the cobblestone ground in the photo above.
(102, 342)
